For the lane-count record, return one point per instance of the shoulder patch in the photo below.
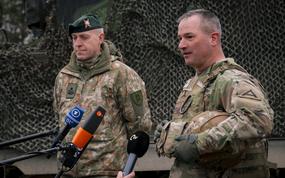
(137, 98)
(249, 94)
(137, 103)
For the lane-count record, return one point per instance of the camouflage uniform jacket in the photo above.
(120, 91)
(226, 86)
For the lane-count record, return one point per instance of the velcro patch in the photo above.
(137, 103)
(71, 90)
(250, 95)
(137, 98)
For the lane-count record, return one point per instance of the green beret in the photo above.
(84, 23)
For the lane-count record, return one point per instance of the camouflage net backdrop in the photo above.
(27, 77)
(146, 33)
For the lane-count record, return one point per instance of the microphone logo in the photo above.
(134, 137)
(99, 114)
(75, 113)
(74, 116)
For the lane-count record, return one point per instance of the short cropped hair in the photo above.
(210, 22)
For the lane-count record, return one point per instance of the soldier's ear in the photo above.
(101, 37)
(215, 37)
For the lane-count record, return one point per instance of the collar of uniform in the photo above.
(88, 64)
(207, 74)
(219, 67)
(228, 63)
(218, 64)
(102, 64)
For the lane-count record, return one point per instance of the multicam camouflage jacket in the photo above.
(120, 91)
(227, 87)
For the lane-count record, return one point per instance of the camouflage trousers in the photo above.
(181, 170)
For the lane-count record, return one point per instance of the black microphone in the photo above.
(72, 119)
(137, 147)
(82, 138)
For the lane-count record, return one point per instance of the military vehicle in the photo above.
(145, 32)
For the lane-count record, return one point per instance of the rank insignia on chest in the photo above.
(71, 90)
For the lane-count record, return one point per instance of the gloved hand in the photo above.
(186, 149)
(158, 130)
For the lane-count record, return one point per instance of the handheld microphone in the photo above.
(137, 147)
(72, 119)
(82, 138)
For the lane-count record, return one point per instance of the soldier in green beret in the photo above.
(95, 76)
(233, 144)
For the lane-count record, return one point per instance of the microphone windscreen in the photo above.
(72, 119)
(85, 133)
(93, 121)
(138, 143)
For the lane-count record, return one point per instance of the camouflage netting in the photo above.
(27, 77)
(145, 31)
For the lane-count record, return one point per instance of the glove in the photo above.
(186, 149)
(158, 130)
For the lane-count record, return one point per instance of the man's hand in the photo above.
(120, 175)
(186, 149)
(158, 130)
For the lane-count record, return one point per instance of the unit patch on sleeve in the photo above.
(137, 98)
(137, 103)
(250, 95)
